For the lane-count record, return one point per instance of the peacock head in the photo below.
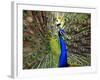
(59, 25)
(61, 32)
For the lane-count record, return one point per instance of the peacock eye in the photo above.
(61, 32)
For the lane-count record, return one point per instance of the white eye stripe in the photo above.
(61, 32)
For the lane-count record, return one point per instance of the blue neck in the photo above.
(63, 54)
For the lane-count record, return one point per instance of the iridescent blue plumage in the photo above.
(63, 54)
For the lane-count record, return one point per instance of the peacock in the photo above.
(56, 39)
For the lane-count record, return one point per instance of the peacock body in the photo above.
(63, 55)
(44, 47)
